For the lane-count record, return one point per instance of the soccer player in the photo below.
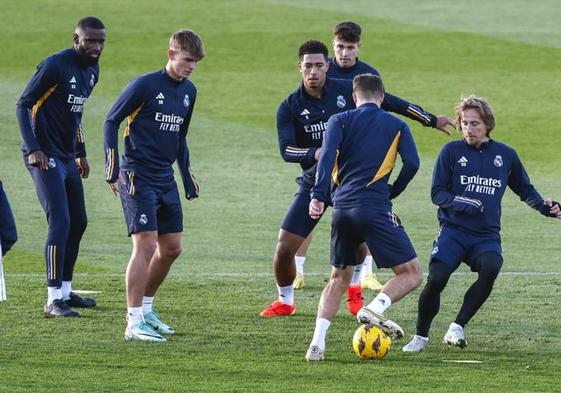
(8, 236)
(301, 120)
(469, 181)
(359, 152)
(8, 232)
(49, 114)
(346, 65)
(158, 107)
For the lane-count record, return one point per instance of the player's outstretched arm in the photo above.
(400, 106)
(519, 182)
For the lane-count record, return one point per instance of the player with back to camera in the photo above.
(345, 64)
(358, 155)
(158, 107)
(301, 120)
(468, 184)
(49, 113)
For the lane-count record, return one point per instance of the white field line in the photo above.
(463, 361)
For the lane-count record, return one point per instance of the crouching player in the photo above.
(360, 148)
(158, 107)
(469, 181)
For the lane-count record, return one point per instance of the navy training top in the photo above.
(302, 119)
(49, 111)
(359, 153)
(469, 182)
(158, 110)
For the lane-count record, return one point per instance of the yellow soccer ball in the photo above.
(370, 342)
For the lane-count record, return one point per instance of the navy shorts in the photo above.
(150, 207)
(454, 246)
(297, 219)
(379, 228)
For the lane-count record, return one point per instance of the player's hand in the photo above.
(444, 121)
(316, 209)
(114, 187)
(39, 159)
(83, 167)
(554, 208)
(193, 188)
(317, 153)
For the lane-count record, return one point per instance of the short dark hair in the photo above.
(189, 41)
(347, 31)
(368, 86)
(90, 22)
(313, 47)
(481, 105)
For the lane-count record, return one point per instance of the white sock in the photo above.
(319, 334)
(53, 293)
(355, 280)
(147, 302)
(380, 303)
(286, 294)
(66, 289)
(134, 315)
(300, 264)
(367, 266)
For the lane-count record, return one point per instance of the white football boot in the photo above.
(417, 344)
(369, 317)
(455, 336)
(315, 354)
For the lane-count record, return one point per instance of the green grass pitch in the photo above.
(429, 53)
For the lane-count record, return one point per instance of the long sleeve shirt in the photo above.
(469, 182)
(302, 119)
(394, 103)
(158, 111)
(358, 155)
(49, 111)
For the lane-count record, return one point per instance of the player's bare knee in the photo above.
(411, 271)
(417, 274)
(172, 252)
(144, 244)
(285, 252)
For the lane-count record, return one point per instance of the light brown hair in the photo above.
(481, 105)
(188, 41)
